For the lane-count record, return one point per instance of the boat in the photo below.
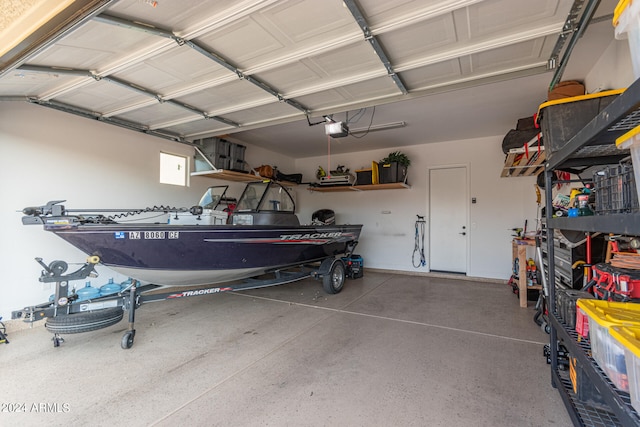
(204, 244)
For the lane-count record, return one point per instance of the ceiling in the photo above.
(270, 73)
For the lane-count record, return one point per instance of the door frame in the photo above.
(467, 167)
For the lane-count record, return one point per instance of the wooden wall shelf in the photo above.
(371, 187)
(228, 175)
(248, 177)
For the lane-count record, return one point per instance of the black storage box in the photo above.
(387, 172)
(566, 304)
(364, 177)
(562, 119)
(616, 190)
(391, 172)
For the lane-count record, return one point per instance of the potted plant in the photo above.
(393, 168)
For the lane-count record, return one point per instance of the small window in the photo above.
(173, 169)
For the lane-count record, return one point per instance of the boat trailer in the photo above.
(68, 314)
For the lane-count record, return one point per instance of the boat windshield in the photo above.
(265, 196)
(211, 199)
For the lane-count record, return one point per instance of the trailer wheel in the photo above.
(546, 328)
(127, 340)
(333, 281)
(84, 322)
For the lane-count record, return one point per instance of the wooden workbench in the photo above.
(519, 247)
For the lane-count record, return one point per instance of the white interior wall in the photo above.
(613, 70)
(388, 216)
(50, 155)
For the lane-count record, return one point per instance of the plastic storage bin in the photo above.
(364, 177)
(616, 190)
(626, 19)
(214, 146)
(629, 338)
(566, 304)
(562, 119)
(388, 172)
(237, 152)
(606, 350)
(236, 158)
(631, 140)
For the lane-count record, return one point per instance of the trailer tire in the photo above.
(84, 322)
(333, 280)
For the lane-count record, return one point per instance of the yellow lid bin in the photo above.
(626, 20)
(607, 351)
(631, 140)
(561, 119)
(629, 338)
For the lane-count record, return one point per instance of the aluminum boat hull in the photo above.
(180, 255)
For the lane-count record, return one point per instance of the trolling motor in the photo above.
(33, 214)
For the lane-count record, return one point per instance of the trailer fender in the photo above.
(325, 266)
(332, 272)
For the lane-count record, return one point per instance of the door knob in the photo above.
(463, 233)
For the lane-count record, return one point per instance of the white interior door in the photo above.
(448, 228)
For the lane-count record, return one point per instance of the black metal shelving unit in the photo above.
(622, 413)
(592, 145)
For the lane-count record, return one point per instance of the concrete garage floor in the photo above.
(389, 350)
